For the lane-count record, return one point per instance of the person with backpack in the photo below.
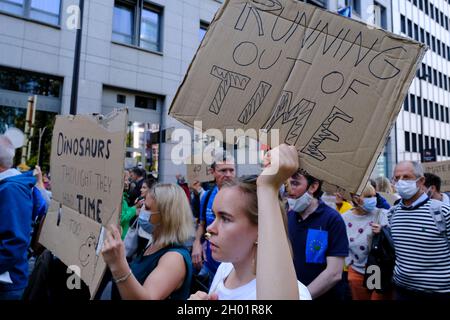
(420, 229)
(223, 170)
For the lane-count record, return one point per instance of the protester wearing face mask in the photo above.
(422, 254)
(144, 229)
(319, 239)
(164, 269)
(360, 222)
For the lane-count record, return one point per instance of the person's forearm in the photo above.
(200, 232)
(324, 282)
(276, 278)
(130, 289)
(44, 194)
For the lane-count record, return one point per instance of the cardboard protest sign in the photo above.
(199, 172)
(87, 160)
(441, 169)
(331, 85)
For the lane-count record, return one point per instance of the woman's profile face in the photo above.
(151, 205)
(233, 236)
(144, 189)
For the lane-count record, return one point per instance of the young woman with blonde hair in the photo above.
(249, 237)
(164, 270)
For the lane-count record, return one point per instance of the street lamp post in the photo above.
(76, 64)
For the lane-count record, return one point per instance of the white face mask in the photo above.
(300, 204)
(407, 188)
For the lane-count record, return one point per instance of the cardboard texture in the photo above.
(333, 86)
(199, 172)
(87, 160)
(441, 169)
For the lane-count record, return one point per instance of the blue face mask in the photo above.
(369, 204)
(144, 221)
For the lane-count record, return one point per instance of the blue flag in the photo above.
(346, 11)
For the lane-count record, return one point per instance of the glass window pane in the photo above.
(45, 10)
(150, 30)
(123, 24)
(12, 6)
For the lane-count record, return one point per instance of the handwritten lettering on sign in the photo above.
(332, 86)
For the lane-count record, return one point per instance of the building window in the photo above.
(444, 153)
(356, 6)
(414, 142)
(380, 15)
(149, 103)
(137, 23)
(413, 103)
(432, 145)
(28, 82)
(406, 103)
(436, 111)
(425, 107)
(121, 98)
(438, 145)
(431, 110)
(202, 31)
(318, 3)
(410, 32)
(407, 145)
(41, 10)
(403, 24)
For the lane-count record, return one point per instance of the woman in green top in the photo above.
(164, 270)
(128, 213)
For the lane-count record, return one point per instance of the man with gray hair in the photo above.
(16, 208)
(422, 253)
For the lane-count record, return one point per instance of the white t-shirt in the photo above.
(245, 292)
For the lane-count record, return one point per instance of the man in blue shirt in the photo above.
(319, 239)
(223, 169)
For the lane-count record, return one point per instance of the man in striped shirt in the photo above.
(422, 262)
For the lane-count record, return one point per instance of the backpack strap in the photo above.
(438, 217)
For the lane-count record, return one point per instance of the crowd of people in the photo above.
(271, 236)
